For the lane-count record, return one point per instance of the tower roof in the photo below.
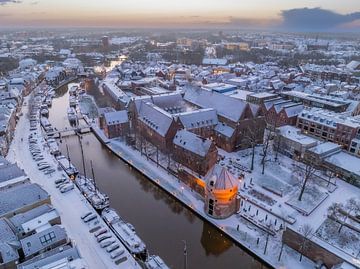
(221, 177)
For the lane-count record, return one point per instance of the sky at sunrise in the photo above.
(184, 13)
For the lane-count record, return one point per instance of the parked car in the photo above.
(104, 236)
(116, 253)
(112, 247)
(90, 217)
(67, 187)
(107, 242)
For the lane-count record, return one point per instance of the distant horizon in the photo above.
(305, 15)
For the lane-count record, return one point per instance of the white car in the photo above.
(100, 232)
(104, 236)
(116, 253)
(66, 187)
(107, 242)
(91, 217)
(112, 247)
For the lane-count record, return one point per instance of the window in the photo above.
(47, 238)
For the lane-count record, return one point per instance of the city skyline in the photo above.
(274, 14)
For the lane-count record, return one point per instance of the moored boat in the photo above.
(126, 233)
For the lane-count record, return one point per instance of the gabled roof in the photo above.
(193, 143)
(222, 179)
(8, 243)
(22, 218)
(116, 117)
(294, 110)
(225, 130)
(155, 118)
(19, 196)
(198, 118)
(42, 240)
(49, 257)
(10, 171)
(226, 106)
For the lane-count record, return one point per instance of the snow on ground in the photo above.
(265, 209)
(247, 233)
(348, 240)
(71, 206)
(283, 173)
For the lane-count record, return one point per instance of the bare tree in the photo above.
(331, 175)
(265, 149)
(352, 205)
(307, 233)
(309, 171)
(333, 210)
(251, 136)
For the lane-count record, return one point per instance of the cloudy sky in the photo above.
(297, 14)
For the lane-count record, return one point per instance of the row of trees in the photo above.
(307, 170)
(341, 212)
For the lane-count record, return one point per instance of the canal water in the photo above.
(161, 222)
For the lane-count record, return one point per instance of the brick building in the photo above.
(221, 198)
(280, 112)
(156, 126)
(332, 127)
(194, 152)
(235, 116)
(116, 124)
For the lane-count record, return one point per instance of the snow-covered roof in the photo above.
(224, 129)
(345, 161)
(325, 148)
(21, 218)
(328, 118)
(7, 238)
(294, 134)
(10, 171)
(20, 196)
(222, 179)
(239, 94)
(214, 61)
(191, 142)
(156, 118)
(42, 240)
(353, 65)
(65, 256)
(116, 117)
(293, 110)
(198, 118)
(228, 107)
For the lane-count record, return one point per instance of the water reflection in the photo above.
(213, 241)
(161, 221)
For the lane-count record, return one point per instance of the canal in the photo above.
(161, 221)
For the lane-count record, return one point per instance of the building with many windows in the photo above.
(332, 127)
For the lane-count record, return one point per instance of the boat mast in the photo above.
(82, 155)
(68, 155)
(93, 175)
(185, 255)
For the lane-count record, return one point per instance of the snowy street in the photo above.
(71, 205)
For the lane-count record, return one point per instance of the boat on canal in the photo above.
(44, 112)
(73, 90)
(88, 187)
(72, 115)
(126, 234)
(155, 262)
(67, 166)
(72, 101)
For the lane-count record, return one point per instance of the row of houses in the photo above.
(13, 88)
(326, 156)
(31, 235)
